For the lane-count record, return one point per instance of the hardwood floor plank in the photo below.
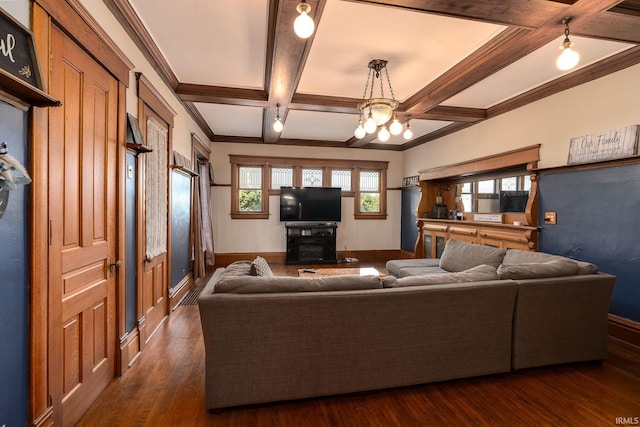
(166, 388)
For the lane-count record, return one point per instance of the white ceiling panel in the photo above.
(533, 70)
(232, 119)
(214, 42)
(319, 126)
(419, 48)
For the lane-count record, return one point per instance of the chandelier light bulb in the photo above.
(408, 133)
(568, 58)
(360, 132)
(396, 127)
(303, 25)
(370, 125)
(384, 134)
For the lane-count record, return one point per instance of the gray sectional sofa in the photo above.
(270, 338)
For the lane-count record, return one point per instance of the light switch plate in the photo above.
(549, 217)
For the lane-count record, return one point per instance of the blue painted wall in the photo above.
(598, 212)
(408, 229)
(14, 279)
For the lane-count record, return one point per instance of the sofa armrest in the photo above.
(561, 320)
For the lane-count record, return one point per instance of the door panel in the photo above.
(82, 213)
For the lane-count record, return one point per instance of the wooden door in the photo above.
(82, 214)
(154, 285)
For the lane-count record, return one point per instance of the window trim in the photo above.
(298, 163)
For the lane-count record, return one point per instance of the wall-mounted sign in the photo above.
(410, 181)
(19, 68)
(611, 144)
(16, 50)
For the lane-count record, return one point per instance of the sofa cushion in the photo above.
(395, 265)
(276, 284)
(538, 270)
(260, 267)
(460, 256)
(420, 271)
(237, 268)
(517, 256)
(479, 273)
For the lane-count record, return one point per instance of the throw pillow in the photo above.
(260, 267)
(538, 270)
(517, 256)
(460, 256)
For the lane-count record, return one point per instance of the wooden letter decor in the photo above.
(611, 144)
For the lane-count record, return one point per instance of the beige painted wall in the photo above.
(243, 235)
(184, 125)
(607, 103)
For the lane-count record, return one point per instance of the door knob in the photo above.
(113, 265)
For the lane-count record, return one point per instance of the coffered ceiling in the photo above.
(452, 63)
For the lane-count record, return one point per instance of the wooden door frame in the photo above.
(72, 18)
(152, 104)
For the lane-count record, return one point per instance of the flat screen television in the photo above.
(310, 204)
(513, 201)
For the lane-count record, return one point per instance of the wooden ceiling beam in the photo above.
(222, 95)
(286, 62)
(504, 49)
(525, 14)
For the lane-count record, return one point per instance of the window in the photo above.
(312, 177)
(254, 179)
(369, 191)
(250, 189)
(341, 178)
(281, 177)
(371, 199)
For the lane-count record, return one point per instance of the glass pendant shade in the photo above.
(303, 25)
(360, 132)
(381, 112)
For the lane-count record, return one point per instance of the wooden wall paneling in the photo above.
(40, 408)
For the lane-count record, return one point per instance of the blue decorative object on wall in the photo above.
(598, 211)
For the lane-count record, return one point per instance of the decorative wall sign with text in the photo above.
(410, 181)
(611, 144)
(17, 55)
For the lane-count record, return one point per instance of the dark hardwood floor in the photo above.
(165, 387)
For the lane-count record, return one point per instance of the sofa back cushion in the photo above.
(276, 284)
(538, 270)
(480, 273)
(460, 256)
(517, 256)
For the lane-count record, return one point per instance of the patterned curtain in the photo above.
(205, 203)
(156, 177)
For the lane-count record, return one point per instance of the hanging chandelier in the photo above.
(378, 110)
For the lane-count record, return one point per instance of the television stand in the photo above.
(311, 243)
